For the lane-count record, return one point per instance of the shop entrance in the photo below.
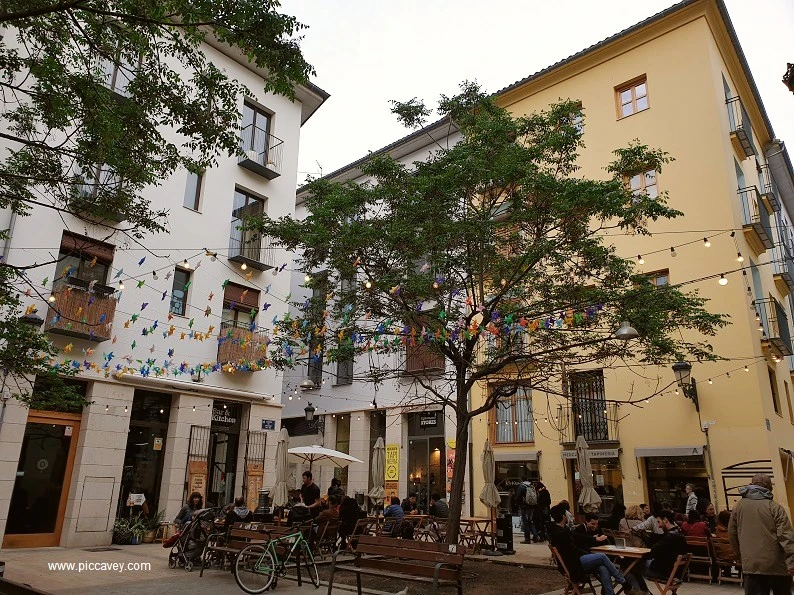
(426, 456)
(607, 479)
(143, 459)
(224, 444)
(667, 477)
(38, 502)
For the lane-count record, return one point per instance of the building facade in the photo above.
(166, 334)
(677, 81)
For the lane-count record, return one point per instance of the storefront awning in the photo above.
(529, 455)
(668, 451)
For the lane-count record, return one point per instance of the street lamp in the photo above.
(683, 376)
(626, 332)
(307, 384)
(314, 423)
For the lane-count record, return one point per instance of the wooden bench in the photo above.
(229, 545)
(437, 563)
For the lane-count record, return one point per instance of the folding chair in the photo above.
(702, 560)
(676, 578)
(391, 528)
(721, 547)
(574, 587)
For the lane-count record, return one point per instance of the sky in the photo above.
(368, 52)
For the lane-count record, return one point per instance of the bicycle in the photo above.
(258, 565)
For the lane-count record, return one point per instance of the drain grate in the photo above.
(102, 549)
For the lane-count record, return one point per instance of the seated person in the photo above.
(634, 516)
(329, 514)
(694, 526)
(663, 555)
(394, 510)
(409, 505)
(194, 504)
(335, 489)
(239, 513)
(298, 513)
(438, 507)
(649, 524)
(579, 563)
(588, 535)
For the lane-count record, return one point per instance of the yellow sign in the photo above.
(392, 462)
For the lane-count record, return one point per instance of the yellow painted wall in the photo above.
(683, 58)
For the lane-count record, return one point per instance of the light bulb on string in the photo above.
(185, 264)
(640, 259)
(723, 279)
(746, 369)
(121, 285)
(676, 391)
(307, 278)
(706, 243)
(107, 407)
(673, 253)
(368, 284)
(739, 257)
(154, 275)
(244, 267)
(711, 381)
(125, 409)
(161, 410)
(51, 299)
(194, 407)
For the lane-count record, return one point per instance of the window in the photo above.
(256, 129)
(119, 74)
(240, 307)
(644, 182)
(588, 404)
(788, 402)
(632, 97)
(659, 278)
(775, 395)
(97, 177)
(193, 190)
(179, 292)
(513, 416)
(344, 371)
(246, 243)
(83, 260)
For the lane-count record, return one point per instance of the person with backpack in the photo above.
(544, 504)
(528, 502)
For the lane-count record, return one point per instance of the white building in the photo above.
(162, 434)
(424, 435)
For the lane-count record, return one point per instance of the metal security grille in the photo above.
(198, 452)
(255, 445)
(588, 402)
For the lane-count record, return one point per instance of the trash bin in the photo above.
(504, 528)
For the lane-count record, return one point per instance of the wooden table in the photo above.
(635, 554)
(481, 527)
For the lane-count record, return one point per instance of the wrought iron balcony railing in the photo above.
(262, 152)
(768, 189)
(595, 420)
(783, 266)
(755, 219)
(256, 251)
(741, 131)
(774, 326)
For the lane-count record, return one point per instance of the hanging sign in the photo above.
(136, 500)
(428, 419)
(269, 424)
(158, 444)
(392, 462)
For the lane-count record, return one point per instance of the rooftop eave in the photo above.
(311, 96)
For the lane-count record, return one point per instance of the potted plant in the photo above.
(122, 531)
(139, 526)
(152, 524)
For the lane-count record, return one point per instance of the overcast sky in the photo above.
(367, 52)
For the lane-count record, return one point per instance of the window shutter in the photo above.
(244, 298)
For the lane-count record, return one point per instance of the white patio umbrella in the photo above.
(588, 498)
(322, 456)
(378, 494)
(280, 491)
(489, 495)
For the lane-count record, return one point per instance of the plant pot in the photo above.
(148, 537)
(135, 540)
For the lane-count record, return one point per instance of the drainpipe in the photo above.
(12, 219)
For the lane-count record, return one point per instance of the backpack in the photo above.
(530, 495)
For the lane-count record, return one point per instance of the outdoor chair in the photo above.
(676, 578)
(574, 587)
(391, 528)
(702, 559)
(327, 536)
(725, 565)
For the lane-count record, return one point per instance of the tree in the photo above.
(490, 254)
(102, 99)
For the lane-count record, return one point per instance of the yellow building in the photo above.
(678, 81)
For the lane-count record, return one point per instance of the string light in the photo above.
(307, 278)
(723, 279)
(161, 410)
(706, 243)
(746, 369)
(194, 407)
(51, 299)
(368, 284)
(711, 381)
(739, 257)
(121, 285)
(154, 275)
(640, 259)
(245, 266)
(125, 409)
(107, 407)
(673, 253)
(185, 264)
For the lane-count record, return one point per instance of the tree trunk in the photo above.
(458, 478)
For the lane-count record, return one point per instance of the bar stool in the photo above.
(164, 531)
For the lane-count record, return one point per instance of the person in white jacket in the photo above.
(692, 499)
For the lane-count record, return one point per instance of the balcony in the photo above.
(82, 311)
(595, 420)
(775, 334)
(238, 344)
(755, 220)
(421, 359)
(262, 152)
(741, 131)
(783, 267)
(255, 251)
(768, 190)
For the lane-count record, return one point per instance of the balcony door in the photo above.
(588, 403)
(256, 130)
(41, 486)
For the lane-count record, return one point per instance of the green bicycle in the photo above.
(259, 565)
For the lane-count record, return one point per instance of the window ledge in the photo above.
(189, 209)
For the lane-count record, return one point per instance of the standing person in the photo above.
(544, 504)
(528, 501)
(310, 494)
(691, 498)
(578, 562)
(194, 503)
(761, 535)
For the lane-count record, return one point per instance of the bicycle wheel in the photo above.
(310, 567)
(254, 569)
